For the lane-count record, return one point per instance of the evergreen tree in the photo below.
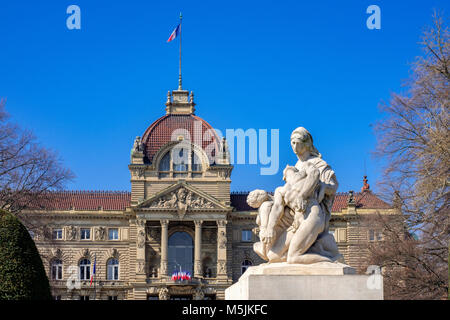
(22, 274)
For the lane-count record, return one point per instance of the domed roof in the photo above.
(160, 132)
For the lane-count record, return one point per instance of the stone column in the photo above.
(164, 247)
(221, 249)
(140, 250)
(198, 249)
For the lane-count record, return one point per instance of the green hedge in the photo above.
(22, 275)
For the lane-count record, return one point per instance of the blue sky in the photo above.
(251, 64)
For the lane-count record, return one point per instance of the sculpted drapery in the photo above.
(294, 221)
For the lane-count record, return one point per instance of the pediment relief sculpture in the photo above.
(181, 199)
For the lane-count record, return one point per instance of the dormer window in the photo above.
(179, 162)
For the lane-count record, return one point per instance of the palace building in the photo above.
(180, 219)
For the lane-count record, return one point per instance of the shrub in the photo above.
(22, 274)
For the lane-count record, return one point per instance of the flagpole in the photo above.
(179, 76)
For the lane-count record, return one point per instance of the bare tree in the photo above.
(28, 171)
(414, 140)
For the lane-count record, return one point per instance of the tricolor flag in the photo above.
(181, 275)
(175, 33)
(93, 273)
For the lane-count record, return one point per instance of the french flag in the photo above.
(174, 33)
(93, 273)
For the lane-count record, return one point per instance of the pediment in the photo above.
(182, 197)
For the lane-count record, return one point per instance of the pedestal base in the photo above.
(319, 281)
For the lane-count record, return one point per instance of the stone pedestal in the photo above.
(318, 281)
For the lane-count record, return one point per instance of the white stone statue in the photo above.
(294, 239)
(294, 221)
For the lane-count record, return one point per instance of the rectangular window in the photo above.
(379, 236)
(57, 234)
(372, 235)
(112, 297)
(56, 297)
(84, 298)
(113, 234)
(375, 235)
(85, 234)
(246, 235)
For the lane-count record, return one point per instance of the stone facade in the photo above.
(128, 235)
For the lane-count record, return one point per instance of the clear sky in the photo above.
(252, 64)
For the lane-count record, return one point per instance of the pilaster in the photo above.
(140, 250)
(164, 248)
(221, 249)
(198, 249)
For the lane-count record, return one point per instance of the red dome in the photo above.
(160, 132)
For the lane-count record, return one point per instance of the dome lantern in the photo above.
(180, 102)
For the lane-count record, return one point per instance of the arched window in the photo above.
(245, 264)
(181, 252)
(112, 272)
(85, 269)
(56, 267)
(164, 164)
(180, 161)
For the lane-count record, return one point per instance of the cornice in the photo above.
(82, 215)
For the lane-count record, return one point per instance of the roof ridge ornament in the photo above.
(366, 186)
